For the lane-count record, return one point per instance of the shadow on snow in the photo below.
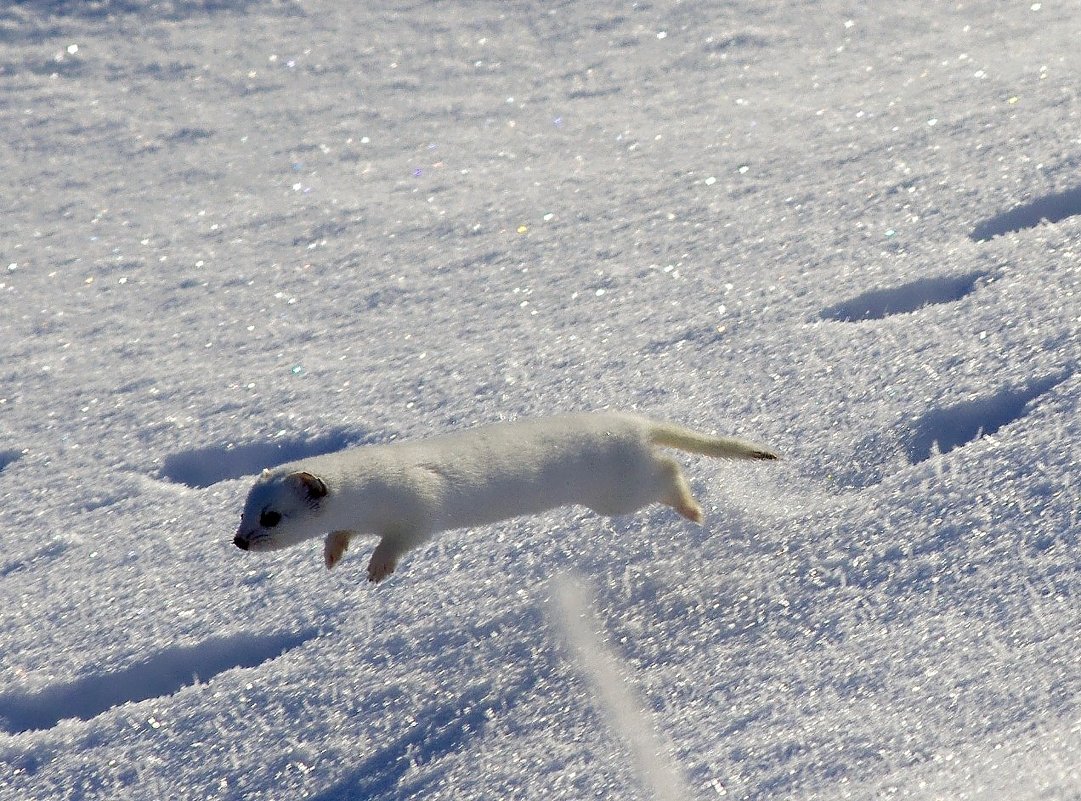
(201, 467)
(161, 675)
(943, 430)
(880, 303)
(1050, 208)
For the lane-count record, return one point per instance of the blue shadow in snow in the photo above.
(201, 467)
(953, 426)
(439, 729)
(103, 9)
(53, 550)
(880, 303)
(7, 457)
(163, 674)
(1051, 208)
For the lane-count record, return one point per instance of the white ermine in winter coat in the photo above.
(406, 492)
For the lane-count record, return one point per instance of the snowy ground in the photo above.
(236, 232)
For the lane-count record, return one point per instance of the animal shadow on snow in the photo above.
(54, 550)
(439, 730)
(1050, 208)
(201, 467)
(163, 674)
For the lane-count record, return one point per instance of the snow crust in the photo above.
(239, 232)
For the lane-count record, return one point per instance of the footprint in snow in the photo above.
(1050, 209)
(880, 303)
(201, 467)
(163, 674)
(7, 457)
(939, 431)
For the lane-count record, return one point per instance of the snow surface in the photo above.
(236, 232)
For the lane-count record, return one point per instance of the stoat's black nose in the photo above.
(240, 542)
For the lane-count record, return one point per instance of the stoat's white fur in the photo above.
(406, 492)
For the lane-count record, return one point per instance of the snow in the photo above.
(237, 232)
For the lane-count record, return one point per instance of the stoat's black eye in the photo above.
(269, 519)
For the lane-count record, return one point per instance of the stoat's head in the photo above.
(283, 508)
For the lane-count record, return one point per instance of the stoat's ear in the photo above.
(307, 486)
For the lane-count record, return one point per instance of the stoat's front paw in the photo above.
(334, 547)
(384, 558)
(380, 567)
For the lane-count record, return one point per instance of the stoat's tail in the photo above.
(684, 439)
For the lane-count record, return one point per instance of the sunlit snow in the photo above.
(240, 232)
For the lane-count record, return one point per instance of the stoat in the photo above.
(406, 492)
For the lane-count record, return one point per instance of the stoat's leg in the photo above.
(385, 557)
(334, 546)
(677, 494)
